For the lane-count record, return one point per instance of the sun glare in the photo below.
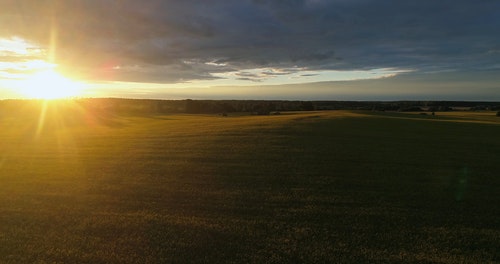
(49, 84)
(30, 71)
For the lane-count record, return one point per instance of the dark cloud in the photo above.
(308, 75)
(175, 41)
(248, 76)
(273, 72)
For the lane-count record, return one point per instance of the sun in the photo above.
(49, 84)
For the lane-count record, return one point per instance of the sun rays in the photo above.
(31, 70)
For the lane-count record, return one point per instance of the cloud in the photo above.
(309, 74)
(177, 41)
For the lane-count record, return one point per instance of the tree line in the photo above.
(257, 107)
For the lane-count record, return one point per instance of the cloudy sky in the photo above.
(256, 49)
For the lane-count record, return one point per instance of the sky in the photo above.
(252, 49)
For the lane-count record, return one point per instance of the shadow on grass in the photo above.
(357, 190)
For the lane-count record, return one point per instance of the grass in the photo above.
(320, 187)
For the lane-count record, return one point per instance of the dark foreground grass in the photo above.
(325, 187)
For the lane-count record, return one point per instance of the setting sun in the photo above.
(49, 84)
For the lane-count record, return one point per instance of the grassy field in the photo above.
(316, 187)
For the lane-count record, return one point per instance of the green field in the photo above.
(315, 187)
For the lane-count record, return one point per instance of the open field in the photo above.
(315, 187)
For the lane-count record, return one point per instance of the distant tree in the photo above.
(410, 109)
(433, 109)
(307, 106)
(193, 107)
(444, 108)
(498, 113)
(228, 108)
(261, 108)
